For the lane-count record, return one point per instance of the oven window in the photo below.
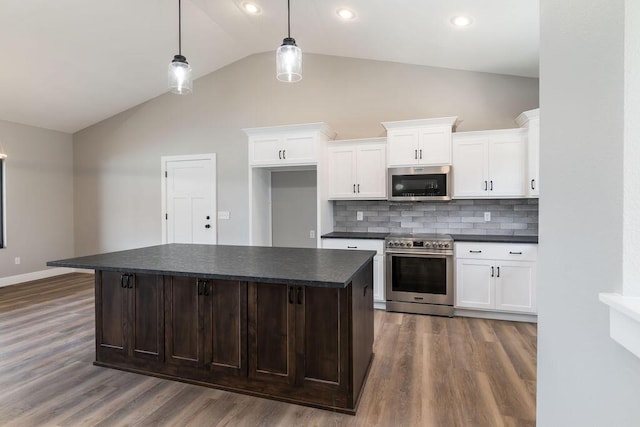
(419, 185)
(419, 274)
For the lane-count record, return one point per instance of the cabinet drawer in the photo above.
(354, 244)
(497, 251)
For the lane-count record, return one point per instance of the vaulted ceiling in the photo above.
(68, 64)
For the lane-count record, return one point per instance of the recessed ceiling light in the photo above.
(346, 14)
(461, 21)
(251, 8)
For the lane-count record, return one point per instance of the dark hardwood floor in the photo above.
(427, 371)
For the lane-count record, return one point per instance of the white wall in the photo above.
(117, 162)
(584, 377)
(293, 208)
(39, 196)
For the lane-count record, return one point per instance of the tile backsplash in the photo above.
(510, 217)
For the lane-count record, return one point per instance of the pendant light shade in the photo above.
(180, 81)
(289, 56)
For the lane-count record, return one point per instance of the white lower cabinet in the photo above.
(378, 260)
(496, 277)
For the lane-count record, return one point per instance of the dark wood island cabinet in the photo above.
(289, 324)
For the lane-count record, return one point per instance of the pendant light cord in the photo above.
(288, 19)
(180, 28)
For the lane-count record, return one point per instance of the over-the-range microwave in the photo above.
(420, 183)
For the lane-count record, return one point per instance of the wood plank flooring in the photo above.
(427, 371)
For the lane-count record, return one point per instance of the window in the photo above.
(2, 203)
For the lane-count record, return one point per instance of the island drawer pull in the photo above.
(299, 295)
(122, 281)
(290, 295)
(364, 293)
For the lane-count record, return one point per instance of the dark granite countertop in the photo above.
(315, 267)
(494, 238)
(354, 235)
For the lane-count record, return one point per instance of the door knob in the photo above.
(207, 226)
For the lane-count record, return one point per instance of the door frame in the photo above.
(163, 169)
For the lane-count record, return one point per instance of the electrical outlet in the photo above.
(359, 216)
(312, 234)
(487, 216)
(224, 215)
(17, 260)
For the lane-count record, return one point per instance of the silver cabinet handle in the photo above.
(498, 271)
(475, 252)
(485, 186)
(420, 154)
(491, 188)
(284, 154)
(533, 184)
(492, 272)
(515, 253)
(280, 154)
(358, 188)
(354, 189)
(415, 156)
(352, 247)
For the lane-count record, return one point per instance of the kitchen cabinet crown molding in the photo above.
(525, 117)
(320, 127)
(440, 121)
(376, 140)
(490, 132)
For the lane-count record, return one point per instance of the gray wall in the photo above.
(39, 186)
(584, 377)
(117, 181)
(293, 208)
(517, 217)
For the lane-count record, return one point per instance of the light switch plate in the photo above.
(224, 215)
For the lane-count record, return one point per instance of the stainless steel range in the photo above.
(420, 274)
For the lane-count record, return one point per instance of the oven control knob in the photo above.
(401, 244)
(427, 244)
(446, 245)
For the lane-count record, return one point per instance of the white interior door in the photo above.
(189, 199)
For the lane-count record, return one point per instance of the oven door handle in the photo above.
(420, 254)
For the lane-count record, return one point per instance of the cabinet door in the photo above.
(225, 331)
(371, 177)
(265, 150)
(516, 286)
(111, 312)
(506, 167)
(470, 167)
(321, 353)
(146, 299)
(184, 321)
(342, 172)
(272, 332)
(403, 147)
(533, 167)
(475, 284)
(299, 149)
(435, 146)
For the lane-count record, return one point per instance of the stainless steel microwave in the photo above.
(420, 183)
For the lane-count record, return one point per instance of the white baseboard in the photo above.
(36, 275)
(496, 315)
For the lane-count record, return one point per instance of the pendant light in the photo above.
(179, 69)
(289, 56)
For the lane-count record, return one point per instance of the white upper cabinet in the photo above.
(530, 120)
(419, 142)
(287, 145)
(357, 169)
(489, 164)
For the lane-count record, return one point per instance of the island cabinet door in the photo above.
(225, 332)
(322, 350)
(129, 316)
(184, 321)
(271, 331)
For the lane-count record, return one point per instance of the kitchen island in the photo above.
(284, 323)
